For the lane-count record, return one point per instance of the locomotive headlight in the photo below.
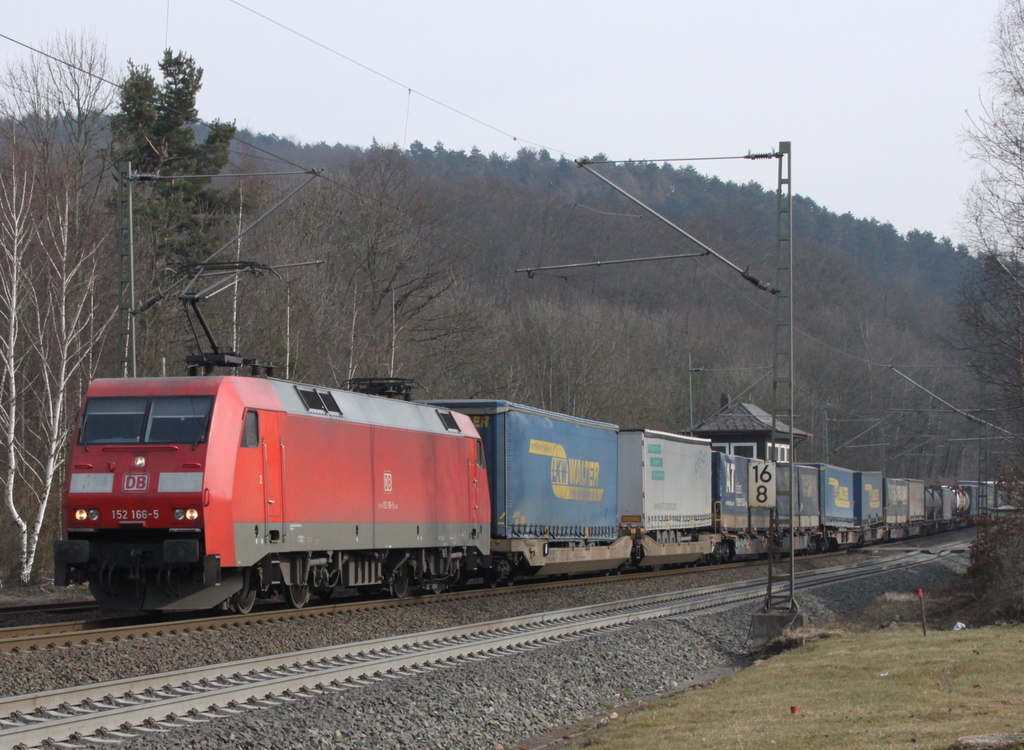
(94, 515)
(140, 462)
(179, 514)
(191, 514)
(81, 514)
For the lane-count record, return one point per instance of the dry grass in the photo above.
(885, 689)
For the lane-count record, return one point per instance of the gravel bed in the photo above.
(55, 668)
(481, 705)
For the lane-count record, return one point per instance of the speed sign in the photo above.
(761, 487)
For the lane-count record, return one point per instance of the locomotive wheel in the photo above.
(297, 596)
(400, 582)
(243, 601)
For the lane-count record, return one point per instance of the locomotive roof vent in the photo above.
(448, 421)
(391, 387)
(318, 401)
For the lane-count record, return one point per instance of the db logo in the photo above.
(387, 481)
(136, 482)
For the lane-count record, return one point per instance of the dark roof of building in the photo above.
(740, 417)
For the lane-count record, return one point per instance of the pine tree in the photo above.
(158, 130)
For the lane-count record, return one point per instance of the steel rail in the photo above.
(135, 704)
(83, 632)
(48, 607)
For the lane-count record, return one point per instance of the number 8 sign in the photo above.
(761, 488)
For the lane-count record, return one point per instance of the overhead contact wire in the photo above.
(389, 79)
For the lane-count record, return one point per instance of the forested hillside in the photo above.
(422, 247)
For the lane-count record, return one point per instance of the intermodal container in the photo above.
(933, 502)
(867, 498)
(835, 492)
(951, 502)
(915, 500)
(729, 491)
(664, 480)
(896, 498)
(976, 493)
(808, 507)
(552, 476)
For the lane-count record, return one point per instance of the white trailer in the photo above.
(665, 495)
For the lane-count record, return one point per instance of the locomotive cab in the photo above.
(134, 503)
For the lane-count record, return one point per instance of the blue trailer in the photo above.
(835, 495)
(554, 486)
(744, 530)
(729, 492)
(806, 506)
(808, 498)
(867, 503)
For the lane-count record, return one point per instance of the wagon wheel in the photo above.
(297, 596)
(400, 582)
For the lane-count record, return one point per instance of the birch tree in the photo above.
(17, 188)
(55, 227)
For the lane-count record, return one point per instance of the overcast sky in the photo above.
(873, 94)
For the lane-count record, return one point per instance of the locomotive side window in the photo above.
(251, 433)
(479, 454)
(113, 420)
(178, 419)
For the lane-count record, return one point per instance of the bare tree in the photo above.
(388, 262)
(992, 298)
(56, 141)
(17, 190)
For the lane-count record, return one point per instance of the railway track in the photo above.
(48, 607)
(72, 633)
(84, 632)
(111, 711)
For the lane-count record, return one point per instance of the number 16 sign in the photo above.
(761, 492)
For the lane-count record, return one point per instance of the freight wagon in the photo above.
(665, 496)
(554, 489)
(896, 498)
(868, 509)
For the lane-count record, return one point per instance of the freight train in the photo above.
(209, 492)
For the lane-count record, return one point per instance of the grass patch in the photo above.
(884, 689)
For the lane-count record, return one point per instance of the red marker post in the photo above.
(924, 627)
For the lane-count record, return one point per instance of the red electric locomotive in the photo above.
(198, 492)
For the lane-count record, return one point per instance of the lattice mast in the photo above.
(126, 272)
(781, 578)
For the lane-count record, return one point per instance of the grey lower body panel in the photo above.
(189, 596)
(252, 545)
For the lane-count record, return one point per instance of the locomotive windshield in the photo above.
(161, 419)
